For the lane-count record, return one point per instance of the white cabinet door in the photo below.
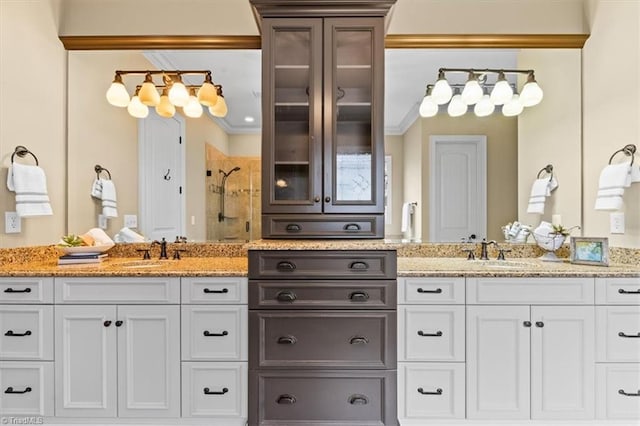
(148, 361)
(85, 366)
(431, 333)
(562, 362)
(498, 362)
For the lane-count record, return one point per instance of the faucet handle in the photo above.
(176, 254)
(470, 254)
(501, 253)
(146, 254)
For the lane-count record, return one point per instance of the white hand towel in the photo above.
(539, 191)
(126, 235)
(406, 217)
(30, 186)
(100, 237)
(635, 173)
(613, 179)
(109, 204)
(552, 185)
(96, 189)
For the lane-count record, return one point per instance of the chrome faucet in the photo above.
(483, 248)
(163, 248)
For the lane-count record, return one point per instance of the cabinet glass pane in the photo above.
(353, 115)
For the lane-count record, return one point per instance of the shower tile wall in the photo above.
(242, 197)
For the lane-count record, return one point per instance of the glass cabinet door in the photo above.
(292, 85)
(354, 139)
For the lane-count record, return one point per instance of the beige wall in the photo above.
(33, 111)
(245, 145)
(413, 177)
(394, 147)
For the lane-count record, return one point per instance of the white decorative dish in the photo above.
(84, 250)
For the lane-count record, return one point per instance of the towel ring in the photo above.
(99, 169)
(549, 169)
(629, 150)
(21, 151)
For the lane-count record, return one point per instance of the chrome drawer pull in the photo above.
(358, 265)
(209, 392)
(622, 334)
(286, 399)
(622, 392)
(207, 333)
(423, 334)
(208, 291)
(286, 296)
(423, 392)
(351, 227)
(294, 227)
(11, 333)
(623, 291)
(359, 296)
(287, 340)
(286, 266)
(437, 290)
(10, 390)
(358, 340)
(10, 290)
(358, 399)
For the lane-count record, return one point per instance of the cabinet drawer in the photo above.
(431, 290)
(26, 332)
(618, 291)
(214, 290)
(118, 290)
(214, 333)
(322, 226)
(431, 391)
(618, 386)
(431, 333)
(31, 392)
(618, 338)
(514, 291)
(26, 290)
(334, 294)
(304, 398)
(323, 264)
(211, 389)
(334, 339)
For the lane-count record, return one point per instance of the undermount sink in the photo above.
(142, 263)
(507, 264)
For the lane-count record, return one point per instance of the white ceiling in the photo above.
(407, 72)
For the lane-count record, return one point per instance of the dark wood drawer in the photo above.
(323, 264)
(322, 339)
(322, 226)
(303, 398)
(334, 294)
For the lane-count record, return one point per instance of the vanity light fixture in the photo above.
(478, 92)
(165, 97)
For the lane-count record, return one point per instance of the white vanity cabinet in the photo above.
(530, 348)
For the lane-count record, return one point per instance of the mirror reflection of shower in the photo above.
(225, 175)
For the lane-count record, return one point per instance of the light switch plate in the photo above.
(11, 223)
(131, 220)
(616, 223)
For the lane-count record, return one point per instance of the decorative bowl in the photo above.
(85, 250)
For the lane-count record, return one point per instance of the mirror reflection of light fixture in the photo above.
(531, 93)
(484, 106)
(513, 107)
(457, 107)
(441, 90)
(502, 91)
(428, 107)
(472, 91)
(175, 93)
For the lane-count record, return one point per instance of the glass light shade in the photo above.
(457, 107)
(513, 107)
(502, 91)
(137, 109)
(178, 94)
(472, 92)
(117, 94)
(208, 94)
(428, 107)
(220, 108)
(531, 93)
(148, 93)
(165, 108)
(193, 108)
(484, 107)
(441, 92)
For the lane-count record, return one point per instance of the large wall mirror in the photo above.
(221, 177)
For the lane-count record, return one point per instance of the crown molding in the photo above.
(148, 42)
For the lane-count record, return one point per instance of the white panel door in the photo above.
(85, 361)
(148, 361)
(498, 362)
(457, 187)
(161, 174)
(562, 362)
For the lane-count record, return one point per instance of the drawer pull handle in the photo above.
(358, 340)
(527, 323)
(286, 296)
(223, 291)
(10, 390)
(210, 392)
(539, 324)
(622, 392)
(287, 340)
(11, 333)
(437, 290)
(351, 227)
(287, 266)
(106, 323)
(424, 392)
(286, 399)
(11, 290)
(622, 334)
(207, 333)
(358, 265)
(623, 291)
(359, 296)
(294, 227)
(423, 334)
(119, 323)
(358, 399)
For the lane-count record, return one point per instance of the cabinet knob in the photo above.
(327, 199)
(358, 340)
(286, 265)
(287, 340)
(106, 323)
(539, 324)
(527, 323)
(286, 399)
(119, 323)
(351, 227)
(294, 227)
(317, 199)
(358, 265)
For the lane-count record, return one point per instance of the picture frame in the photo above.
(590, 251)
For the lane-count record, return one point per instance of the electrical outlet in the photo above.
(102, 221)
(131, 220)
(11, 223)
(616, 223)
